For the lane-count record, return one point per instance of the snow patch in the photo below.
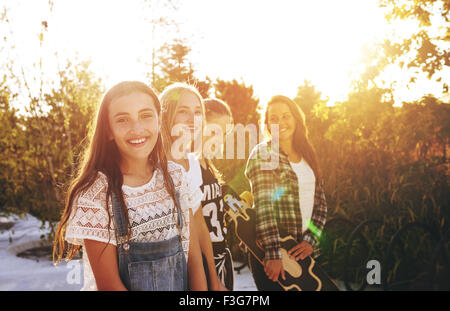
(22, 274)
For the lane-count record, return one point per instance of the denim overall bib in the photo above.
(149, 266)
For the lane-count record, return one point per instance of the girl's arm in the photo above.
(318, 217)
(263, 188)
(309, 245)
(206, 249)
(196, 272)
(103, 260)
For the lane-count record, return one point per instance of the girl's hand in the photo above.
(273, 268)
(300, 251)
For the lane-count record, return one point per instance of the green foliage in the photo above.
(425, 50)
(41, 148)
(174, 66)
(240, 98)
(11, 141)
(244, 108)
(387, 163)
(318, 117)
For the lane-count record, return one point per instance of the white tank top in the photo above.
(306, 187)
(194, 175)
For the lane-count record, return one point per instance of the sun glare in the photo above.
(276, 45)
(272, 45)
(111, 33)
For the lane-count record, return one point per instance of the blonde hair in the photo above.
(170, 99)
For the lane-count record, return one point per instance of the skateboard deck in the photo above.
(302, 275)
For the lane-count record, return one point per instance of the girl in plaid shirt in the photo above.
(288, 196)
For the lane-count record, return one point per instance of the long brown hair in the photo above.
(102, 155)
(301, 143)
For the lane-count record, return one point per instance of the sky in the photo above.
(272, 45)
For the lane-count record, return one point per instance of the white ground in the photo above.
(29, 275)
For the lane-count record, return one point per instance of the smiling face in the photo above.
(187, 112)
(280, 114)
(133, 120)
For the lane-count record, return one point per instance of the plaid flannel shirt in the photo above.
(276, 201)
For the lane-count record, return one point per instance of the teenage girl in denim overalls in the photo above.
(129, 208)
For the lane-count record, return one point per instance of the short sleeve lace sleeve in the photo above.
(89, 217)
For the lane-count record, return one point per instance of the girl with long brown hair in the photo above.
(289, 195)
(129, 207)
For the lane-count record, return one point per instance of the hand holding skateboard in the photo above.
(296, 273)
(301, 251)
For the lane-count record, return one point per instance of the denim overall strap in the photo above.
(120, 221)
(180, 212)
(155, 265)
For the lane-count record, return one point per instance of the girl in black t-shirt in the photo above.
(220, 120)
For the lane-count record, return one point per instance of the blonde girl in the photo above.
(183, 115)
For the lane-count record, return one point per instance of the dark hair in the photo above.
(301, 143)
(102, 155)
(216, 106)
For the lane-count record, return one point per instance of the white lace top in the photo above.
(149, 210)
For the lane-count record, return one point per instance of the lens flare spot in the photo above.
(277, 194)
(316, 231)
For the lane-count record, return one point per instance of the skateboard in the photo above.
(302, 275)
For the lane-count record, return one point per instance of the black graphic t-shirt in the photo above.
(212, 207)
